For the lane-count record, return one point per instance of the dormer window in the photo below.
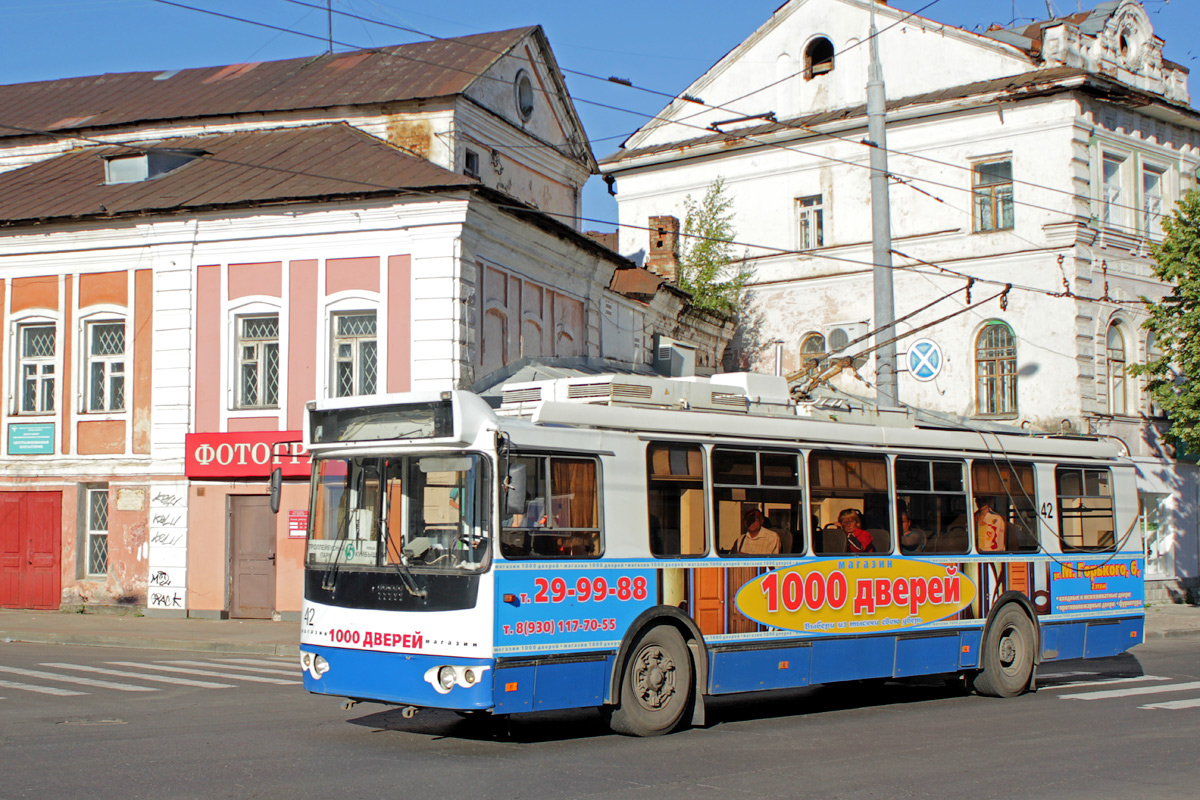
(523, 89)
(818, 58)
(136, 167)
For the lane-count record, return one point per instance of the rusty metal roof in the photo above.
(241, 169)
(440, 68)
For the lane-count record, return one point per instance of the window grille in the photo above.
(258, 361)
(106, 366)
(36, 368)
(97, 531)
(355, 354)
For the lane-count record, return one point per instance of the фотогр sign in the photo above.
(246, 455)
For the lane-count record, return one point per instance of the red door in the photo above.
(30, 549)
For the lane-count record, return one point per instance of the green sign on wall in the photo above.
(31, 439)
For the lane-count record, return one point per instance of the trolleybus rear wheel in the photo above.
(656, 686)
(1008, 650)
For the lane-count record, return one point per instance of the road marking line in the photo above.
(214, 663)
(154, 678)
(41, 689)
(1109, 682)
(1173, 705)
(1175, 687)
(1052, 675)
(292, 665)
(51, 676)
(204, 672)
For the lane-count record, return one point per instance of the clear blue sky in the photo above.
(663, 46)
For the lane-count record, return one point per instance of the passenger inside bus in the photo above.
(912, 539)
(858, 540)
(990, 527)
(756, 538)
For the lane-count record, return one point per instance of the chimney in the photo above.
(664, 247)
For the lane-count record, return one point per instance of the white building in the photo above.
(1030, 171)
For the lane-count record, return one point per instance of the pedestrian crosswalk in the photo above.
(1136, 686)
(63, 679)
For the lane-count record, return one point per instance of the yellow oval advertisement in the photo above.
(855, 596)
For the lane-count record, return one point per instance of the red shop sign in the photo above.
(246, 455)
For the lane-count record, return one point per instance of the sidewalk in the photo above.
(245, 636)
(263, 637)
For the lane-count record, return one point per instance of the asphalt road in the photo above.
(248, 730)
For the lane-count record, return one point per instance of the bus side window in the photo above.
(757, 502)
(675, 487)
(843, 482)
(1085, 509)
(931, 506)
(560, 515)
(1007, 490)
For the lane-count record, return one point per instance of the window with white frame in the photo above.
(36, 368)
(1118, 402)
(96, 518)
(996, 370)
(355, 366)
(258, 361)
(992, 185)
(1152, 200)
(1112, 183)
(810, 222)
(1153, 354)
(106, 365)
(1155, 533)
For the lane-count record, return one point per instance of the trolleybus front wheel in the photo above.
(656, 686)
(1008, 651)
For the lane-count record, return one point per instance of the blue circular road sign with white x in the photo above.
(924, 359)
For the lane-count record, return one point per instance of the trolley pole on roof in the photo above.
(881, 230)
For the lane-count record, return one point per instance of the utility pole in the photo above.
(329, 9)
(881, 230)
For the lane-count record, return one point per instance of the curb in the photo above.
(240, 648)
(1170, 633)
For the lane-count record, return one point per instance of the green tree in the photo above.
(708, 267)
(1175, 322)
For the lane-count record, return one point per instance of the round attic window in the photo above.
(524, 94)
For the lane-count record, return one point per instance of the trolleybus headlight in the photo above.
(305, 660)
(319, 667)
(469, 676)
(447, 678)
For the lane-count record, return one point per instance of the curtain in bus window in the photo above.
(561, 516)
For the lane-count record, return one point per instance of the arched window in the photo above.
(818, 58)
(996, 370)
(812, 351)
(1118, 402)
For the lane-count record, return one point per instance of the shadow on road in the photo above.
(557, 726)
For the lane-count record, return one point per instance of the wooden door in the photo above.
(31, 550)
(252, 557)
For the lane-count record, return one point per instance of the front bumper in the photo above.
(399, 678)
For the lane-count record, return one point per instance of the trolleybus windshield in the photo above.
(429, 512)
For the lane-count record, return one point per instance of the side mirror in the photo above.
(276, 489)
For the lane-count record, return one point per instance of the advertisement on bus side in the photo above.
(855, 596)
(553, 608)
